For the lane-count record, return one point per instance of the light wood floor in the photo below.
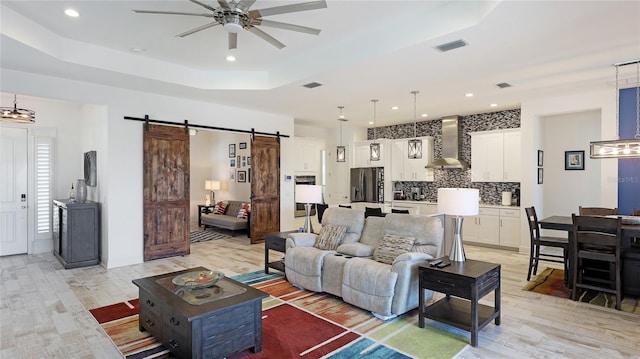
(44, 308)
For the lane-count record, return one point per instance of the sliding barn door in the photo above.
(166, 192)
(265, 187)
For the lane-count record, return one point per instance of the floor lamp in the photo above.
(308, 194)
(458, 202)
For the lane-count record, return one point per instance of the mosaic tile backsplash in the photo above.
(490, 192)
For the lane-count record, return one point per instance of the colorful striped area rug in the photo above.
(551, 282)
(302, 324)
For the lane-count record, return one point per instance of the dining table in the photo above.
(630, 232)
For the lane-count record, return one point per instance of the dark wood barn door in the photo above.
(166, 192)
(265, 187)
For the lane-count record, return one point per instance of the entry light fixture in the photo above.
(17, 115)
(415, 144)
(341, 155)
(626, 148)
(374, 147)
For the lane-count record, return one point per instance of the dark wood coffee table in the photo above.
(470, 280)
(201, 323)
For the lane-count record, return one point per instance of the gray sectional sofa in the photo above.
(229, 220)
(357, 269)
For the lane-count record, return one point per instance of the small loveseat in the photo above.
(227, 215)
(374, 264)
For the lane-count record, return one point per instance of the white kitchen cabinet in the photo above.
(404, 168)
(308, 155)
(510, 228)
(495, 156)
(362, 154)
(483, 228)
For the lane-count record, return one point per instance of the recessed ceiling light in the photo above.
(424, 115)
(231, 58)
(394, 107)
(494, 105)
(469, 94)
(137, 49)
(371, 122)
(71, 13)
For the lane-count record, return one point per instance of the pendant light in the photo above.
(341, 154)
(415, 144)
(374, 147)
(17, 115)
(628, 148)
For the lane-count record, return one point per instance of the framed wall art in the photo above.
(540, 174)
(242, 176)
(540, 158)
(232, 162)
(243, 145)
(232, 150)
(573, 160)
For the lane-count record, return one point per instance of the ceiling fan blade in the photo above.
(233, 40)
(282, 25)
(266, 37)
(305, 6)
(244, 5)
(171, 13)
(224, 4)
(199, 28)
(203, 5)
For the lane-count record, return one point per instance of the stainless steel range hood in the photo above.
(451, 145)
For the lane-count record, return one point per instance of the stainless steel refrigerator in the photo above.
(367, 184)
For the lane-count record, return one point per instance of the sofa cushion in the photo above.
(369, 285)
(372, 232)
(330, 236)
(356, 249)
(233, 208)
(392, 246)
(428, 231)
(352, 218)
(243, 212)
(220, 207)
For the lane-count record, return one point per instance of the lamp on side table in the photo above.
(212, 186)
(308, 194)
(458, 202)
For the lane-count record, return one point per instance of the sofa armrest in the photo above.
(301, 240)
(406, 289)
(356, 249)
(412, 257)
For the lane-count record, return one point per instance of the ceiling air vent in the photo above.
(311, 85)
(503, 85)
(451, 45)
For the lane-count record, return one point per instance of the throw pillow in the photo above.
(244, 210)
(220, 207)
(392, 246)
(330, 237)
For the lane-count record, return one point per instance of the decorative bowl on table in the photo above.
(198, 279)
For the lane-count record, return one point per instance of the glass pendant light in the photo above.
(415, 144)
(341, 154)
(374, 147)
(628, 148)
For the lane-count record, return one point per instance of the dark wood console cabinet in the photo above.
(76, 233)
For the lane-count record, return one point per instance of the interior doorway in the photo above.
(13, 191)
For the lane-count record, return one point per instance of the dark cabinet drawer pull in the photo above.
(150, 303)
(446, 283)
(173, 344)
(150, 322)
(174, 321)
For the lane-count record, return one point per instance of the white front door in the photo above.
(13, 191)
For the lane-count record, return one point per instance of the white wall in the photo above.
(121, 182)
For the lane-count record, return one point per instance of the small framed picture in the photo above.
(232, 162)
(238, 160)
(243, 145)
(248, 160)
(242, 176)
(232, 150)
(232, 175)
(540, 158)
(540, 174)
(574, 160)
(249, 175)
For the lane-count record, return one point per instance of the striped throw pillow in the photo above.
(244, 210)
(220, 207)
(330, 237)
(392, 246)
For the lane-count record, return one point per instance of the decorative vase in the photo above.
(81, 190)
(72, 193)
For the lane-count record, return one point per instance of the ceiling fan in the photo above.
(236, 16)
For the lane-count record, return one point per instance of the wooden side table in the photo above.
(275, 241)
(203, 208)
(470, 280)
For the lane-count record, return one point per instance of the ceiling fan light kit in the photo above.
(236, 16)
(625, 148)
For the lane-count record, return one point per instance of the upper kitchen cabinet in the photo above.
(308, 155)
(362, 154)
(495, 156)
(404, 168)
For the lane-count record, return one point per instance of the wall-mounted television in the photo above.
(90, 173)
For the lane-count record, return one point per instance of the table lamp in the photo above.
(308, 194)
(458, 202)
(212, 186)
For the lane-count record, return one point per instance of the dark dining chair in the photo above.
(636, 212)
(597, 264)
(597, 211)
(401, 211)
(538, 241)
(320, 208)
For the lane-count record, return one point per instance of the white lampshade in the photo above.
(308, 193)
(458, 201)
(212, 185)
